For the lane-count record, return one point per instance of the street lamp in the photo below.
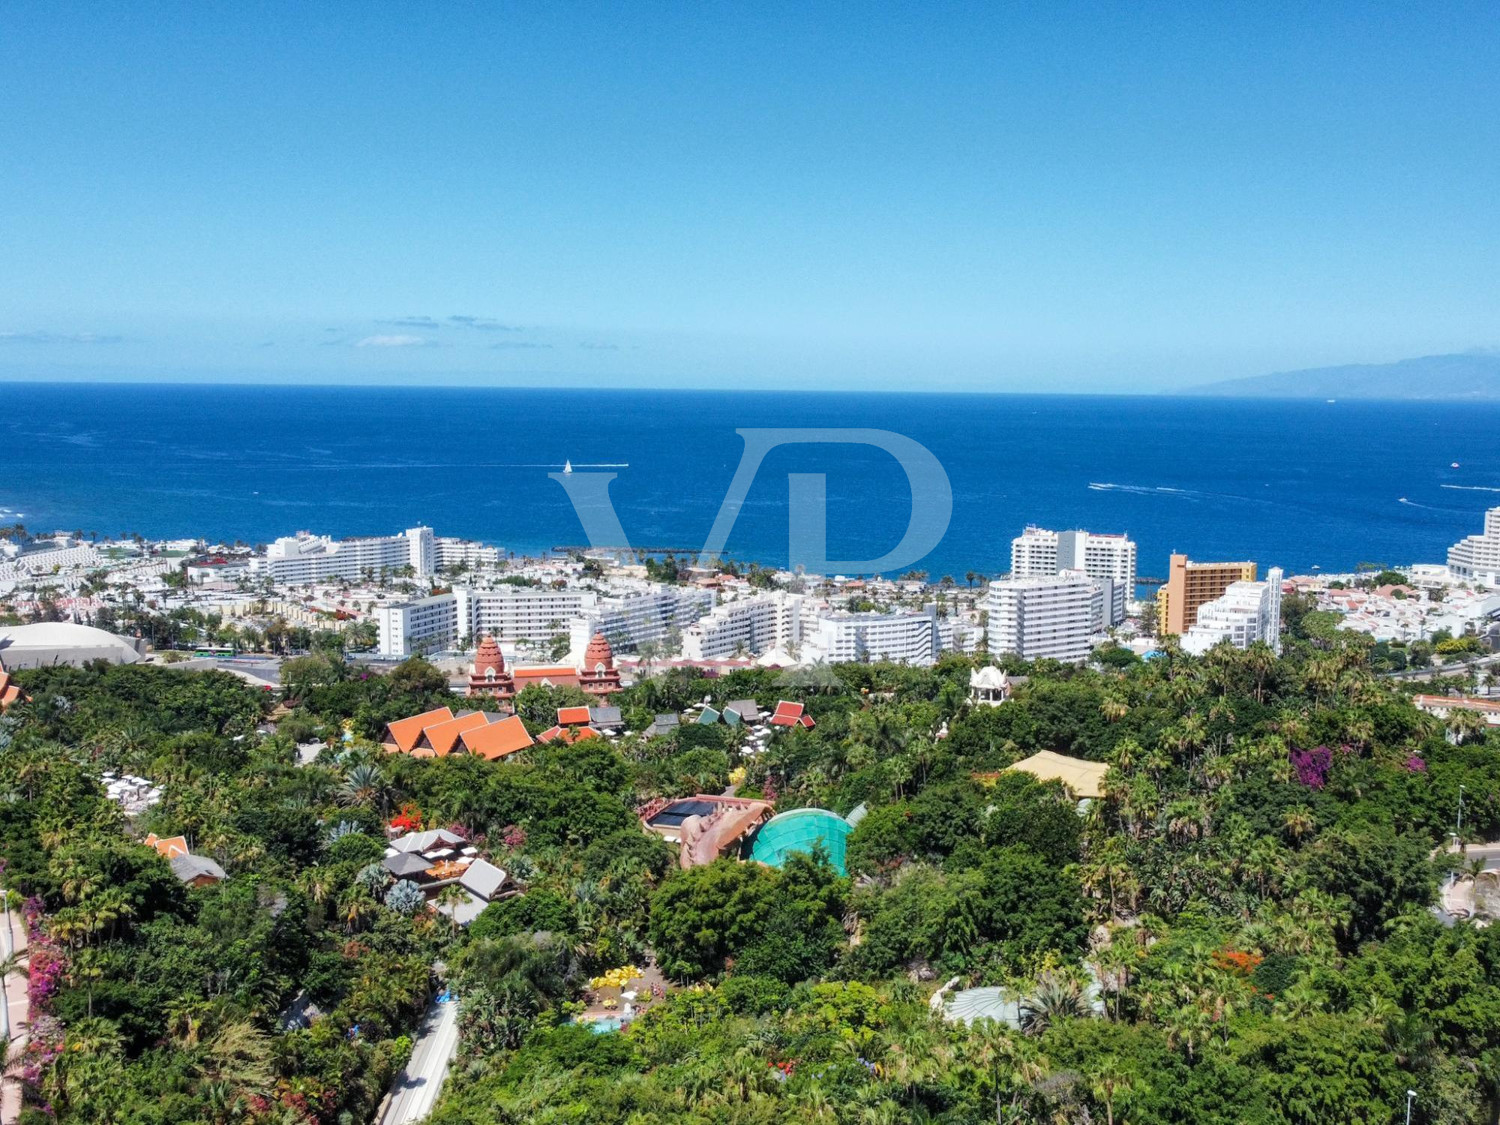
(1460, 810)
(1411, 1096)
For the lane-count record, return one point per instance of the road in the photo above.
(1449, 670)
(416, 1088)
(16, 1011)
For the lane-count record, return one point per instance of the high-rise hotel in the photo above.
(1192, 585)
(1109, 559)
(1476, 558)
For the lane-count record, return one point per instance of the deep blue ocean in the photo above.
(1294, 484)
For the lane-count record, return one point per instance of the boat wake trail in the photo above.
(1470, 487)
(1146, 490)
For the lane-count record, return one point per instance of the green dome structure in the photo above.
(802, 830)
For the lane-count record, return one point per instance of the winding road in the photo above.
(416, 1088)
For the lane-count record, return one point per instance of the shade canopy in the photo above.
(802, 830)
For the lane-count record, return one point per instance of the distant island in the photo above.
(1472, 377)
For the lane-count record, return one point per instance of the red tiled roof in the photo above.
(786, 714)
(169, 847)
(1462, 702)
(557, 675)
(598, 652)
(569, 735)
(792, 715)
(496, 740)
(405, 732)
(442, 738)
(572, 716)
(9, 692)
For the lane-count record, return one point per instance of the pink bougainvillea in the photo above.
(1312, 766)
(1414, 764)
(44, 976)
(513, 837)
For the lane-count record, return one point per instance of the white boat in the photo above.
(567, 466)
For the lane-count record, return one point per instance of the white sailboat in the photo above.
(567, 466)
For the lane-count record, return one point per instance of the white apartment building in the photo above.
(519, 613)
(1057, 617)
(1476, 558)
(650, 614)
(538, 613)
(448, 551)
(902, 637)
(302, 558)
(957, 634)
(747, 626)
(1247, 612)
(423, 625)
(45, 555)
(507, 613)
(1040, 553)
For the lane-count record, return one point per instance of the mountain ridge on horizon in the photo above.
(1461, 377)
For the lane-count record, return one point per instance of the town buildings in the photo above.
(1191, 585)
(1476, 558)
(1052, 618)
(1109, 559)
(1442, 706)
(631, 615)
(301, 558)
(902, 637)
(747, 626)
(1246, 613)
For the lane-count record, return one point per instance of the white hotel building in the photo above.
(902, 637)
(294, 560)
(1054, 618)
(1247, 612)
(1039, 553)
(1476, 558)
(651, 614)
(748, 626)
(538, 613)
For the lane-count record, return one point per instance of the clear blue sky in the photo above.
(965, 196)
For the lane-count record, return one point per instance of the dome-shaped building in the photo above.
(802, 830)
(598, 675)
(488, 676)
(63, 642)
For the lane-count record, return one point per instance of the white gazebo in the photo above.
(988, 686)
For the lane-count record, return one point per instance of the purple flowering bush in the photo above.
(1311, 766)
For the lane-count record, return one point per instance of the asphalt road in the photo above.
(1451, 670)
(416, 1088)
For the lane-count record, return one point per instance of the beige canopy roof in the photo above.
(1084, 778)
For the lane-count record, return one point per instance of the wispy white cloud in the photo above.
(390, 342)
(57, 338)
(483, 323)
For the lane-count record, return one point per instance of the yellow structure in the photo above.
(1084, 778)
(1191, 585)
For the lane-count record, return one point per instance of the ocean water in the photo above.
(1294, 484)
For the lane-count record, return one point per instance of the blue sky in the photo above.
(863, 195)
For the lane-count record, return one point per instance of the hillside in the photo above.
(1473, 376)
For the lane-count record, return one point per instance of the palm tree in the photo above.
(1055, 998)
(1108, 1082)
(1298, 822)
(1003, 1061)
(365, 785)
(452, 897)
(1463, 725)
